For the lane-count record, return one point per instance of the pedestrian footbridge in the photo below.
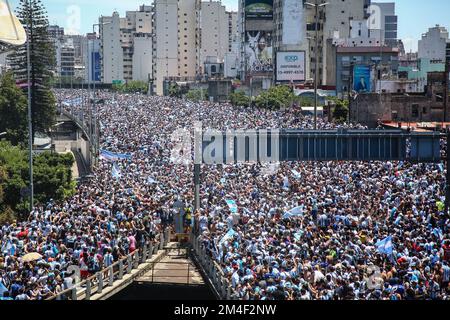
(163, 270)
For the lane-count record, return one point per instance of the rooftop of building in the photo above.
(384, 49)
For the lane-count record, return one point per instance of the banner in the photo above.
(291, 66)
(361, 78)
(259, 9)
(293, 22)
(259, 52)
(73, 102)
(111, 156)
(96, 66)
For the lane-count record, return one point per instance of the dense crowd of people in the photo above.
(300, 231)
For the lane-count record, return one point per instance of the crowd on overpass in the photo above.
(298, 231)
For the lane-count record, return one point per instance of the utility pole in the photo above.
(316, 61)
(447, 74)
(30, 124)
(316, 67)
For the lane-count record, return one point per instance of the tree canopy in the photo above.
(33, 16)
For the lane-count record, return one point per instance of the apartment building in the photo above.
(165, 42)
(119, 36)
(433, 43)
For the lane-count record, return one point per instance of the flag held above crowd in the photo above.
(232, 205)
(385, 246)
(112, 156)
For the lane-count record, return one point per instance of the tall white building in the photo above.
(111, 49)
(165, 53)
(388, 23)
(215, 35)
(189, 38)
(433, 43)
(119, 36)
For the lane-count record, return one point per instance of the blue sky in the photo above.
(415, 16)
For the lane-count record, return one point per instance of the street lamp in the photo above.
(2, 134)
(92, 105)
(316, 6)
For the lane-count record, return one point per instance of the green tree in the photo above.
(13, 110)
(340, 112)
(53, 177)
(6, 214)
(239, 99)
(275, 98)
(131, 87)
(196, 95)
(33, 16)
(175, 90)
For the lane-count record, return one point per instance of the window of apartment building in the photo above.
(415, 110)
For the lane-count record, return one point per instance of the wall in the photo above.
(142, 57)
(366, 108)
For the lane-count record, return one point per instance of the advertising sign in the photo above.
(96, 69)
(259, 9)
(361, 78)
(293, 22)
(291, 66)
(258, 52)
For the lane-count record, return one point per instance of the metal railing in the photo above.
(96, 283)
(219, 281)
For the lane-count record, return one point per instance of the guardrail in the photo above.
(95, 284)
(213, 270)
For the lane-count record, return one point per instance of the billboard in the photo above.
(258, 52)
(361, 78)
(291, 66)
(259, 9)
(294, 26)
(96, 66)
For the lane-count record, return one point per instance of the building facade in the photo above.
(433, 43)
(350, 59)
(389, 23)
(119, 36)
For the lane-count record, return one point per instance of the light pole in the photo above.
(3, 134)
(316, 60)
(94, 132)
(30, 125)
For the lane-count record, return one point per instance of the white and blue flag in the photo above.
(295, 212)
(385, 246)
(232, 205)
(112, 156)
(116, 171)
(227, 236)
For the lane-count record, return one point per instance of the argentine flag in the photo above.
(116, 171)
(232, 205)
(227, 236)
(295, 212)
(111, 156)
(385, 246)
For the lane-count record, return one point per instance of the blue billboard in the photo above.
(96, 66)
(361, 78)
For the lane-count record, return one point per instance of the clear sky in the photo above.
(415, 16)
